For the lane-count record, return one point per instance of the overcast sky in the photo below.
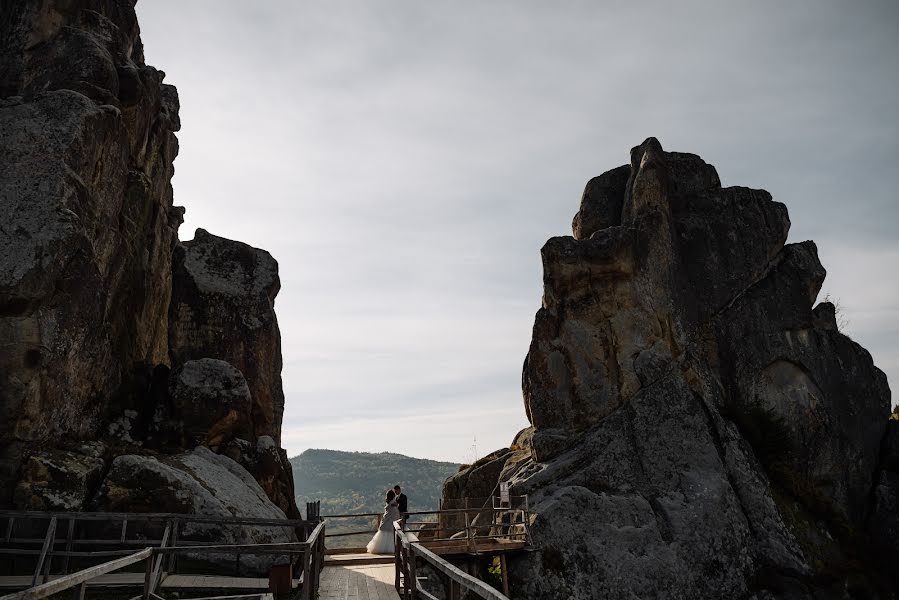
(404, 161)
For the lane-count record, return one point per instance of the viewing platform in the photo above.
(152, 553)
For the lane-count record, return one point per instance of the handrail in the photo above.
(111, 516)
(68, 581)
(456, 575)
(313, 537)
(312, 548)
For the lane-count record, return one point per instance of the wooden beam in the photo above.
(145, 517)
(460, 577)
(173, 557)
(51, 533)
(157, 570)
(69, 536)
(68, 581)
(148, 578)
(276, 548)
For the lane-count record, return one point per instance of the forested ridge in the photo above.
(355, 482)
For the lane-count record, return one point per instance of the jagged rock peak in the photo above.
(699, 428)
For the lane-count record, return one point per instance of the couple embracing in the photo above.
(396, 505)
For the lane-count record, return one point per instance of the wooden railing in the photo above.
(406, 555)
(163, 550)
(514, 523)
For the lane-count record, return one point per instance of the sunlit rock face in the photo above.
(700, 429)
(91, 366)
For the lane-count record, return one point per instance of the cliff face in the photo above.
(699, 427)
(88, 235)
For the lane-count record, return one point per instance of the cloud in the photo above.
(405, 161)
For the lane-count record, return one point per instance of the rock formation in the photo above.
(124, 356)
(699, 428)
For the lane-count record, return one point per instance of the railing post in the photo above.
(505, 572)
(468, 529)
(48, 539)
(69, 536)
(124, 531)
(307, 573)
(455, 590)
(148, 577)
(397, 559)
(173, 557)
(412, 584)
(321, 558)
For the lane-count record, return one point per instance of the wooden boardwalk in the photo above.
(169, 582)
(361, 582)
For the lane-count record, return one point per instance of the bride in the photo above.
(382, 543)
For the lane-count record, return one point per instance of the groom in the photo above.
(401, 501)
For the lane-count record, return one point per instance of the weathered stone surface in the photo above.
(88, 226)
(223, 307)
(268, 463)
(60, 480)
(197, 482)
(699, 428)
(883, 522)
(211, 402)
(87, 238)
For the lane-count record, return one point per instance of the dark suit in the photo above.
(403, 504)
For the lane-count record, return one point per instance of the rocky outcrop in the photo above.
(700, 429)
(197, 482)
(94, 347)
(88, 226)
(223, 307)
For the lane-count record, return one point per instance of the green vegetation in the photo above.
(355, 482)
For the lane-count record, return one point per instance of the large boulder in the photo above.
(700, 429)
(222, 307)
(199, 482)
(88, 227)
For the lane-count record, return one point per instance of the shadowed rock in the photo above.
(88, 227)
(88, 237)
(699, 428)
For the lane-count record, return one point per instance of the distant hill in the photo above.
(355, 482)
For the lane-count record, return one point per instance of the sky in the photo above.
(405, 160)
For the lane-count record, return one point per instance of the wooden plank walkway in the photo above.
(21, 582)
(363, 582)
(169, 582)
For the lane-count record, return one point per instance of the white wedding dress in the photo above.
(382, 543)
